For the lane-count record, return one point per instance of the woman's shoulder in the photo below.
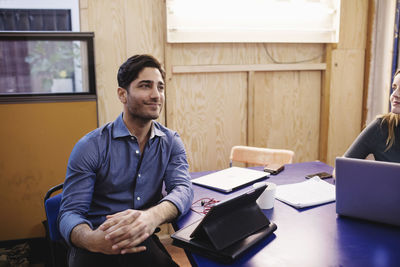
(379, 119)
(375, 124)
(380, 126)
(385, 120)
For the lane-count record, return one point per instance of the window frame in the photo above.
(55, 36)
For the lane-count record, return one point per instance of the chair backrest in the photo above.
(261, 156)
(52, 208)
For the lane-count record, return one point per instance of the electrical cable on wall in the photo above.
(290, 62)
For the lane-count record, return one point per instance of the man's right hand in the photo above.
(92, 240)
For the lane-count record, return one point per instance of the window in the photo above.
(46, 63)
(39, 55)
(296, 21)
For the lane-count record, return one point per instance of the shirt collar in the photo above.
(155, 130)
(120, 129)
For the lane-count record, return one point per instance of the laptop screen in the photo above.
(368, 190)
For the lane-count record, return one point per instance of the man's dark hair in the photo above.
(131, 68)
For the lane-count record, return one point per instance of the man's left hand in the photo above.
(129, 228)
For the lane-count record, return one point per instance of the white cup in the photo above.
(267, 198)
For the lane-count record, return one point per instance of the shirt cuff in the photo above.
(68, 222)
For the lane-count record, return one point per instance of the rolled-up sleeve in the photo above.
(78, 187)
(177, 178)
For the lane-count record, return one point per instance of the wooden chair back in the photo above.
(260, 156)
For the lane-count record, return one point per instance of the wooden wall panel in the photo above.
(107, 20)
(286, 112)
(346, 79)
(346, 101)
(144, 30)
(220, 54)
(122, 29)
(144, 27)
(353, 24)
(126, 27)
(307, 84)
(209, 112)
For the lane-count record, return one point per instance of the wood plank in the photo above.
(83, 15)
(345, 101)
(353, 24)
(216, 53)
(250, 107)
(106, 19)
(241, 68)
(245, 53)
(170, 94)
(368, 59)
(343, 84)
(144, 32)
(287, 106)
(83, 4)
(209, 113)
(324, 107)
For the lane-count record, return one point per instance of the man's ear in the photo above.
(122, 95)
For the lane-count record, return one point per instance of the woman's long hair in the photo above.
(392, 121)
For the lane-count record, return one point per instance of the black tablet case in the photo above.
(229, 229)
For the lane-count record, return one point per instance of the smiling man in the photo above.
(112, 198)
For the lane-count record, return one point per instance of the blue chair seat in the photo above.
(58, 248)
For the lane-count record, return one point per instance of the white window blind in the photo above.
(295, 21)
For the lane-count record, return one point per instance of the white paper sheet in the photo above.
(312, 192)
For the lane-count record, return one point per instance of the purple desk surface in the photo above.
(313, 236)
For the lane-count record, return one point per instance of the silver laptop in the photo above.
(230, 179)
(368, 190)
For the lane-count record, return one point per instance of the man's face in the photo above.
(145, 96)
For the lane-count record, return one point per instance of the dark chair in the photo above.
(58, 248)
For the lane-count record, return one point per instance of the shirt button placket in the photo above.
(137, 152)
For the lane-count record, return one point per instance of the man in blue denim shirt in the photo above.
(112, 198)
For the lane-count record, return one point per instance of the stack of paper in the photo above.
(312, 192)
